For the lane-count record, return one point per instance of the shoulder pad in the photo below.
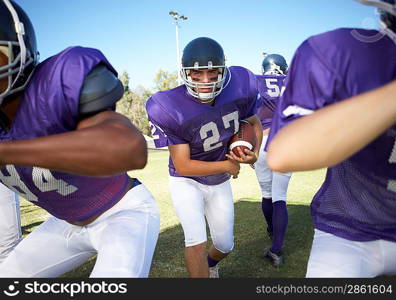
(100, 91)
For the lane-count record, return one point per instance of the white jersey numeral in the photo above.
(212, 141)
(154, 129)
(43, 180)
(14, 182)
(272, 87)
(392, 159)
(231, 117)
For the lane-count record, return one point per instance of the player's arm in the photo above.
(104, 143)
(333, 133)
(250, 157)
(185, 166)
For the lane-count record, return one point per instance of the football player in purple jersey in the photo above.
(273, 185)
(196, 120)
(354, 212)
(65, 149)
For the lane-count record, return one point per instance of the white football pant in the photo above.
(193, 201)
(124, 238)
(272, 184)
(10, 221)
(333, 256)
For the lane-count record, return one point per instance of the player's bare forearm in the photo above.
(103, 145)
(204, 168)
(333, 133)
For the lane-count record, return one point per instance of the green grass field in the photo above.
(250, 237)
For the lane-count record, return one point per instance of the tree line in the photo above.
(133, 102)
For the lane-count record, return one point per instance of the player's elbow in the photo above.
(131, 147)
(181, 170)
(276, 162)
(137, 152)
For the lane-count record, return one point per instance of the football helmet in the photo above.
(387, 11)
(204, 53)
(18, 44)
(274, 64)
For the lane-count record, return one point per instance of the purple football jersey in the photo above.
(357, 200)
(270, 88)
(50, 106)
(178, 118)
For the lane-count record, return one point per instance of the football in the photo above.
(243, 139)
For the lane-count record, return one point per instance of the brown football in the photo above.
(243, 139)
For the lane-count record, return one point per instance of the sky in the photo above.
(140, 36)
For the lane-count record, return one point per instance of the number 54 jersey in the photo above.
(270, 88)
(178, 118)
(50, 106)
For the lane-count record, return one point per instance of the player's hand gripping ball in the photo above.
(245, 138)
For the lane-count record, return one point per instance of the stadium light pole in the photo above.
(176, 17)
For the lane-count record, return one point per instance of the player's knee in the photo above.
(224, 246)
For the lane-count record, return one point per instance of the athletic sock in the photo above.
(279, 222)
(266, 207)
(212, 262)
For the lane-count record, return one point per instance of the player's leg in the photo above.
(52, 249)
(264, 177)
(219, 211)
(280, 183)
(187, 198)
(126, 235)
(389, 250)
(333, 256)
(10, 221)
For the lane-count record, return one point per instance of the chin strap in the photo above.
(388, 32)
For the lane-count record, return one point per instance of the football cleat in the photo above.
(276, 259)
(214, 272)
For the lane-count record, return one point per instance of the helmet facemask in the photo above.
(13, 70)
(21, 59)
(216, 86)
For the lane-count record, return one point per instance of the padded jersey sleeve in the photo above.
(69, 69)
(164, 128)
(310, 85)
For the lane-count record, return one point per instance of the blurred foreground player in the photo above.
(354, 212)
(64, 149)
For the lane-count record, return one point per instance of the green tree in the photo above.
(125, 80)
(132, 104)
(165, 80)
